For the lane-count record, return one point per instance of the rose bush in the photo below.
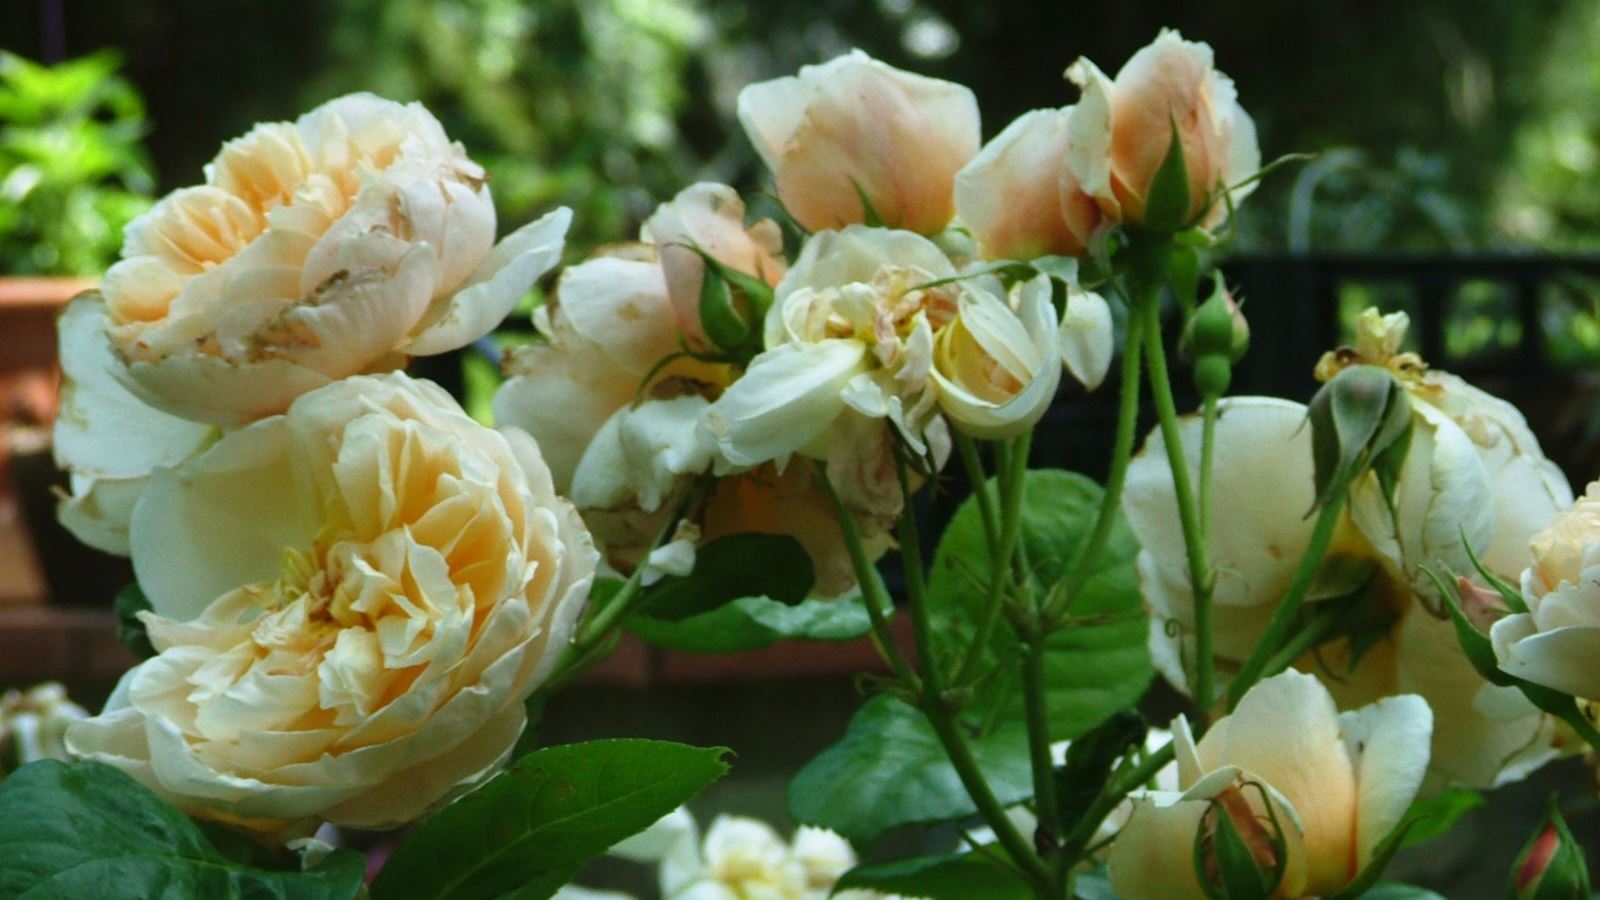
(357, 649)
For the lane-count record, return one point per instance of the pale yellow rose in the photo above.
(1553, 643)
(997, 368)
(622, 448)
(351, 602)
(851, 329)
(342, 243)
(856, 127)
(1120, 131)
(710, 217)
(1484, 735)
(1019, 198)
(108, 440)
(1338, 784)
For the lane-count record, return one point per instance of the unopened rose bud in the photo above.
(1217, 327)
(1238, 853)
(1360, 422)
(1551, 866)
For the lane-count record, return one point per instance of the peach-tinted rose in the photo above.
(1338, 783)
(1120, 131)
(854, 126)
(1018, 197)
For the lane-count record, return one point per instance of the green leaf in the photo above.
(129, 603)
(1439, 813)
(890, 770)
(1394, 890)
(952, 876)
(1089, 762)
(750, 623)
(1167, 206)
(1099, 663)
(530, 829)
(746, 591)
(85, 829)
(742, 565)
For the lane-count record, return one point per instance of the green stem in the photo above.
(1148, 306)
(873, 593)
(594, 634)
(989, 809)
(1205, 653)
(968, 450)
(1115, 789)
(1121, 453)
(1283, 618)
(1038, 720)
(938, 711)
(1310, 636)
(1013, 467)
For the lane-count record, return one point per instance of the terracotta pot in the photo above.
(38, 559)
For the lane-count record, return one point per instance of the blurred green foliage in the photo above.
(572, 102)
(72, 171)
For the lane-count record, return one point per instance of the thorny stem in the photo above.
(1147, 305)
(873, 593)
(1121, 453)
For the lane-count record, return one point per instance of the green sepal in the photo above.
(1513, 597)
(720, 318)
(1545, 873)
(1357, 416)
(869, 212)
(1166, 208)
(1474, 643)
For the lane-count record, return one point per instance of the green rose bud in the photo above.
(1551, 866)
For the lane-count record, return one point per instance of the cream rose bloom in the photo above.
(341, 243)
(1120, 131)
(1484, 735)
(1338, 784)
(856, 127)
(351, 602)
(997, 368)
(850, 333)
(622, 430)
(1553, 643)
(108, 440)
(1019, 198)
